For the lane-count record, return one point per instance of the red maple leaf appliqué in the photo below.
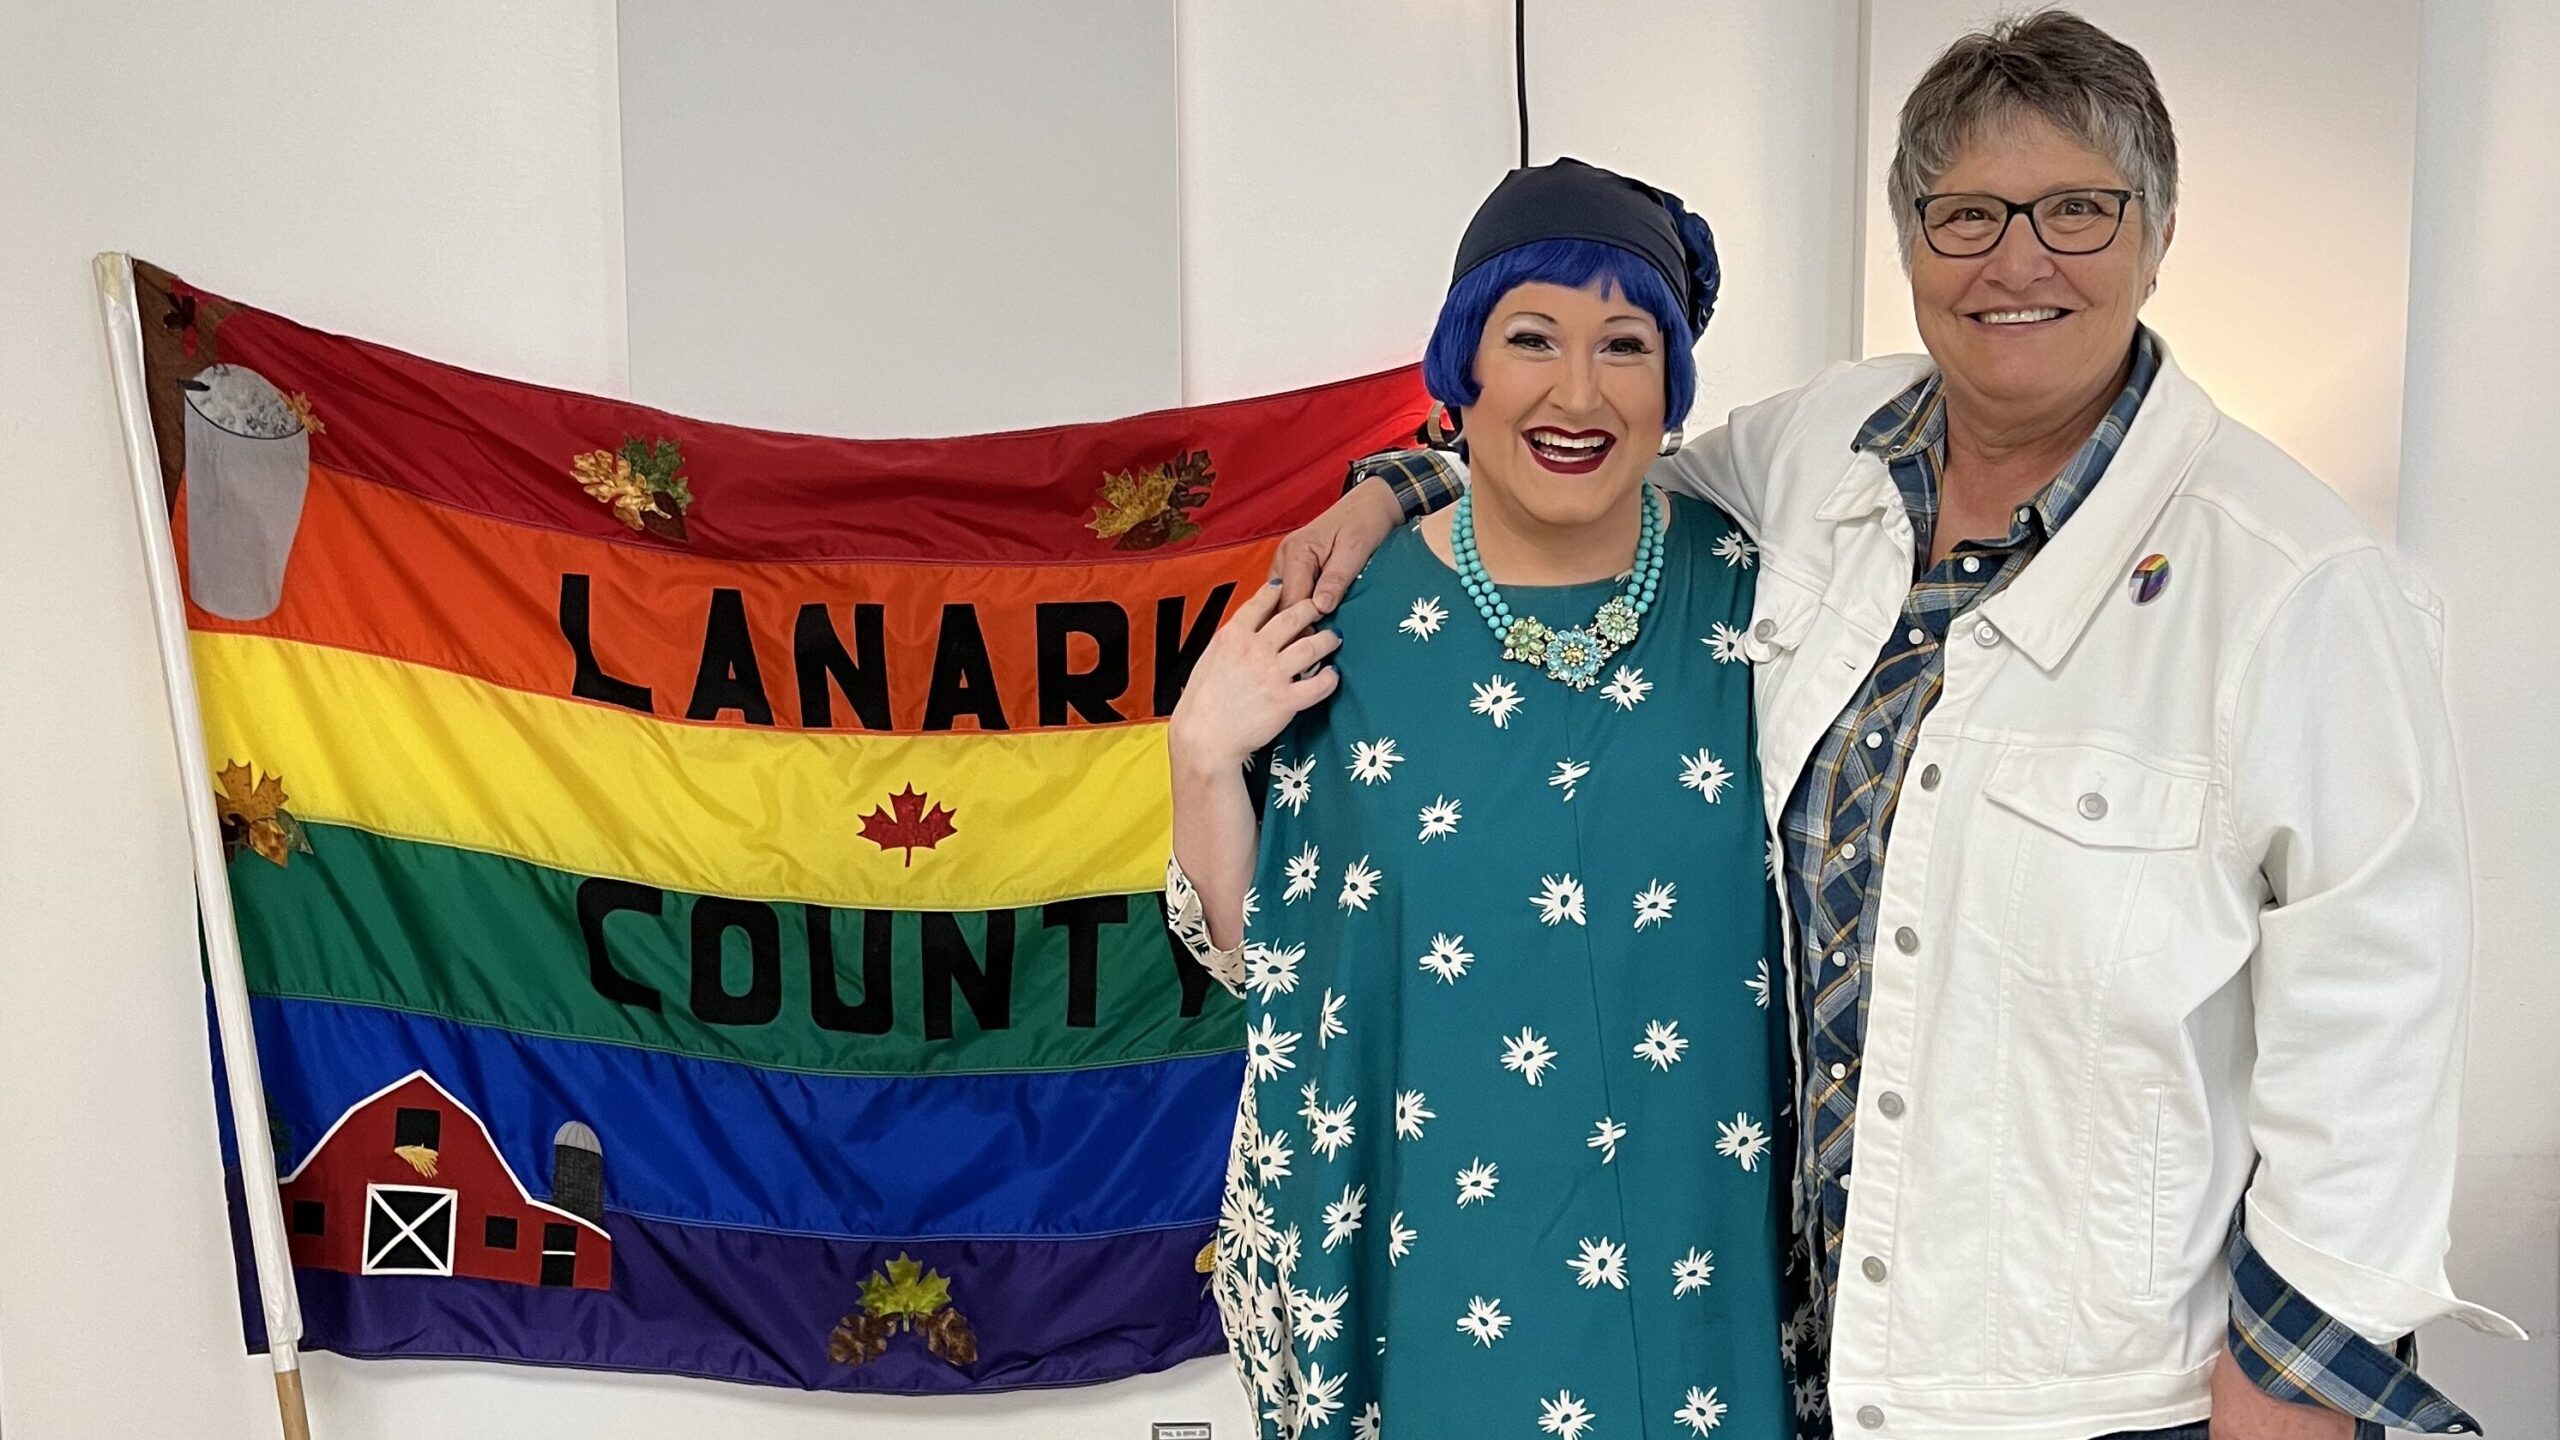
(907, 825)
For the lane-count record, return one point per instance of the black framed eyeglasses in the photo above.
(2066, 222)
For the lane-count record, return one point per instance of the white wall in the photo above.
(1322, 207)
(1319, 207)
(2475, 502)
(2285, 291)
(905, 217)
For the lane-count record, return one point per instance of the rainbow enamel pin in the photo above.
(2150, 578)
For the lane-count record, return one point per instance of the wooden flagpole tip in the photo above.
(289, 1407)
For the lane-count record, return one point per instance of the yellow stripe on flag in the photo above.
(423, 754)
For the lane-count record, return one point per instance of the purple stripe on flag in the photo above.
(757, 1307)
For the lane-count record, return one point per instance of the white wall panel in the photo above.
(2474, 507)
(904, 217)
(1333, 152)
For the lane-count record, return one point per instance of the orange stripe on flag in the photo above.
(900, 647)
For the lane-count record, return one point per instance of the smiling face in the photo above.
(2020, 330)
(1570, 408)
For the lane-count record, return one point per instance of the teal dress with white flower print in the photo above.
(1504, 1164)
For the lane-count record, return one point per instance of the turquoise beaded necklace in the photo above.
(1572, 656)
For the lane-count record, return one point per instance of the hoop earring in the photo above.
(1672, 440)
(1441, 428)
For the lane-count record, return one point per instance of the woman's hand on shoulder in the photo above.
(1322, 557)
(1262, 668)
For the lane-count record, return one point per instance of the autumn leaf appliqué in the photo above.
(1151, 508)
(643, 483)
(250, 808)
(900, 1297)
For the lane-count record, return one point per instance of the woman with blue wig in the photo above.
(1503, 1163)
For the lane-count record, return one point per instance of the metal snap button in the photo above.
(1873, 1269)
(1765, 631)
(1986, 634)
(1870, 1417)
(2093, 806)
(1906, 940)
(1889, 1105)
(1929, 777)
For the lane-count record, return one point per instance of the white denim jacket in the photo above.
(2177, 911)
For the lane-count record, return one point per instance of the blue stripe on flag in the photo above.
(1083, 1152)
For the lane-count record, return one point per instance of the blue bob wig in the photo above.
(1448, 363)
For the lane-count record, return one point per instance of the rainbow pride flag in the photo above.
(699, 886)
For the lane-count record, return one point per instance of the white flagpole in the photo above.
(120, 311)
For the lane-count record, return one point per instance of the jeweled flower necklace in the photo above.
(1572, 656)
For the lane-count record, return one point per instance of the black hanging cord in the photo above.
(1520, 70)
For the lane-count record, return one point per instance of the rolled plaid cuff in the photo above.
(2294, 1350)
(1423, 480)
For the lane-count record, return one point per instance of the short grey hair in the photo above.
(2055, 66)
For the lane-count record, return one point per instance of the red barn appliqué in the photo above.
(408, 1182)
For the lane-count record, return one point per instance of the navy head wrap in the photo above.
(1570, 200)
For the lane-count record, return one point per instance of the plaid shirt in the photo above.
(1839, 820)
(1834, 831)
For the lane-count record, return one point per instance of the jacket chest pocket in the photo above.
(2061, 846)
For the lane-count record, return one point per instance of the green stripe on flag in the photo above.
(493, 941)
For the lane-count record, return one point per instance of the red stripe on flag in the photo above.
(508, 449)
